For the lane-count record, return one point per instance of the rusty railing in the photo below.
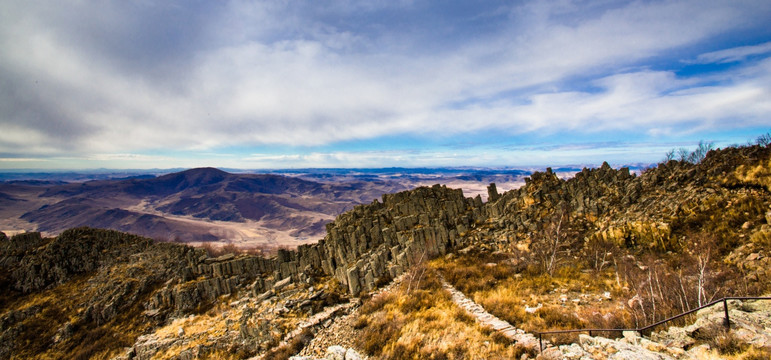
(643, 330)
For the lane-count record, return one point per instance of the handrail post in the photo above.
(649, 328)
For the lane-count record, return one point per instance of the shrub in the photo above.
(556, 318)
(292, 348)
(381, 329)
(754, 353)
(376, 303)
(724, 341)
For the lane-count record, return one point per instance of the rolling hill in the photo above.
(197, 205)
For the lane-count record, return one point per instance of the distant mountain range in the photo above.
(211, 205)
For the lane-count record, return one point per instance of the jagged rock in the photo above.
(565, 352)
(352, 275)
(226, 257)
(282, 284)
(147, 346)
(492, 193)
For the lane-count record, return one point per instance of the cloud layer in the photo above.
(102, 80)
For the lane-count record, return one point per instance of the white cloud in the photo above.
(274, 73)
(734, 54)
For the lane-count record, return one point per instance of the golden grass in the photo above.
(201, 331)
(759, 174)
(571, 299)
(751, 353)
(424, 323)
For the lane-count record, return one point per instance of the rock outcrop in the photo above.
(382, 240)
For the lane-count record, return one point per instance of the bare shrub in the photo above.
(721, 339)
(693, 157)
(662, 288)
(381, 329)
(600, 253)
(292, 348)
(764, 140)
(554, 241)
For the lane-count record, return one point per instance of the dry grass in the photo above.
(424, 323)
(571, 299)
(758, 175)
(209, 324)
(292, 348)
(749, 353)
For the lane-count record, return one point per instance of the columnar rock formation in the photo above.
(378, 240)
(371, 242)
(384, 239)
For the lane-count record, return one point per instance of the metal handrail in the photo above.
(642, 330)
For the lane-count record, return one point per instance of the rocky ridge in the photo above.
(134, 281)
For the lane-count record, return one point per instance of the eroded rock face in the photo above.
(37, 263)
(381, 240)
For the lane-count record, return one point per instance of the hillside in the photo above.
(198, 205)
(264, 211)
(603, 249)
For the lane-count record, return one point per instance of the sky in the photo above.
(339, 83)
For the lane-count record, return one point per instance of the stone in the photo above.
(492, 193)
(351, 354)
(631, 337)
(354, 286)
(282, 284)
(266, 295)
(226, 257)
(336, 352)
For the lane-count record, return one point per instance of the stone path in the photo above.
(517, 336)
(316, 320)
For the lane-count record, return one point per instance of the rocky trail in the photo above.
(518, 336)
(750, 324)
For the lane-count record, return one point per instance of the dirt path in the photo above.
(518, 336)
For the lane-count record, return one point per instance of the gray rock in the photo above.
(335, 352)
(282, 284)
(351, 354)
(354, 286)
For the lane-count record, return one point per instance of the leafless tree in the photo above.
(764, 140)
(553, 241)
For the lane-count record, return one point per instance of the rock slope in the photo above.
(93, 292)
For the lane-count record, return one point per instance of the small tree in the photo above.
(600, 252)
(553, 241)
(693, 157)
(670, 155)
(700, 247)
(764, 140)
(696, 156)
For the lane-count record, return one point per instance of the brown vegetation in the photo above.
(419, 320)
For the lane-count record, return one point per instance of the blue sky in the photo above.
(282, 84)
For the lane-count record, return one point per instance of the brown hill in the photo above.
(198, 205)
